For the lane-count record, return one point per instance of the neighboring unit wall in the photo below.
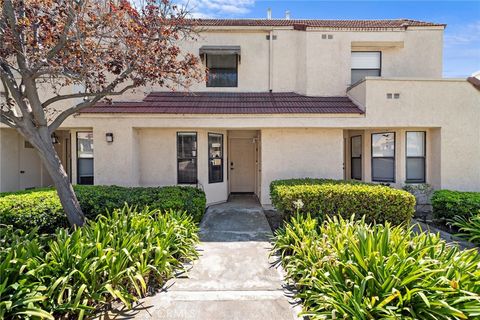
(9, 171)
(20, 165)
(300, 153)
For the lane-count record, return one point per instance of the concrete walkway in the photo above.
(233, 279)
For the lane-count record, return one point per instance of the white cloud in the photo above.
(463, 35)
(217, 8)
(462, 50)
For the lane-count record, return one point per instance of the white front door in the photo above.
(242, 165)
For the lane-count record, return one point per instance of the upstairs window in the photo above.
(383, 157)
(365, 64)
(222, 70)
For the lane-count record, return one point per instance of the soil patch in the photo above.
(275, 219)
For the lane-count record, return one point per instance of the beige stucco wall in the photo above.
(300, 153)
(306, 63)
(20, 167)
(157, 153)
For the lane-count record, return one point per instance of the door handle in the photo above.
(21, 171)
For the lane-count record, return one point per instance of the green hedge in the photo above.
(323, 197)
(346, 269)
(41, 208)
(449, 204)
(120, 257)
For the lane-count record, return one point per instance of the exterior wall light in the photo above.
(109, 137)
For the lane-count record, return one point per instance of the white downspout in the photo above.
(270, 62)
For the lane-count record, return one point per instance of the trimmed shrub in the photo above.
(72, 274)
(322, 198)
(42, 208)
(449, 204)
(28, 210)
(346, 269)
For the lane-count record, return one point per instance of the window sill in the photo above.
(384, 181)
(215, 182)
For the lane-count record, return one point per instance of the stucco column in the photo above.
(434, 157)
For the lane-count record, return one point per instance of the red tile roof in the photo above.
(229, 103)
(337, 24)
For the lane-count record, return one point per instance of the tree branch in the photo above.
(66, 113)
(9, 119)
(11, 85)
(62, 39)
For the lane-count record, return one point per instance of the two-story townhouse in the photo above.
(353, 99)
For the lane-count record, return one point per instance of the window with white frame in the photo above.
(365, 64)
(383, 157)
(416, 147)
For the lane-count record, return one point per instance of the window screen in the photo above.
(215, 158)
(85, 157)
(416, 156)
(222, 70)
(365, 64)
(187, 157)
(383, 157)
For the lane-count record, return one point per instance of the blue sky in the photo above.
(462, 36)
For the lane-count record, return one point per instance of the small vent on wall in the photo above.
(393, 95)
(27, 145)
(327, 36)
(268, 37)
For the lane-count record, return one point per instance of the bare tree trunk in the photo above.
(54, 166)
